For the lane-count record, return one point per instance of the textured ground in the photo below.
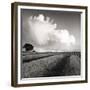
(50, 64)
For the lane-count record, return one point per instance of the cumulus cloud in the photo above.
(43, 31)
(64, 36)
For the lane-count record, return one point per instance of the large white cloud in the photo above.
(43, 31)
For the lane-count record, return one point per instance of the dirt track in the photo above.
(53, 65)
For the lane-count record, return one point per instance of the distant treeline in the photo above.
(50, 53)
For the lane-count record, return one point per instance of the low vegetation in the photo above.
(50, 64)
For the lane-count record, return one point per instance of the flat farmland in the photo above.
(50, 64)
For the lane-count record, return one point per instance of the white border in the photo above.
(53, 79)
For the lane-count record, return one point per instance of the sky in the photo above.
(51, 31)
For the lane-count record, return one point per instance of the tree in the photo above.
(28, 47)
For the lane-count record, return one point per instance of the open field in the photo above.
(50, 64)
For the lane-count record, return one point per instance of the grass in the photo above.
(50, 64)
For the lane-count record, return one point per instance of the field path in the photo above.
(52, 65)
(28, 58)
